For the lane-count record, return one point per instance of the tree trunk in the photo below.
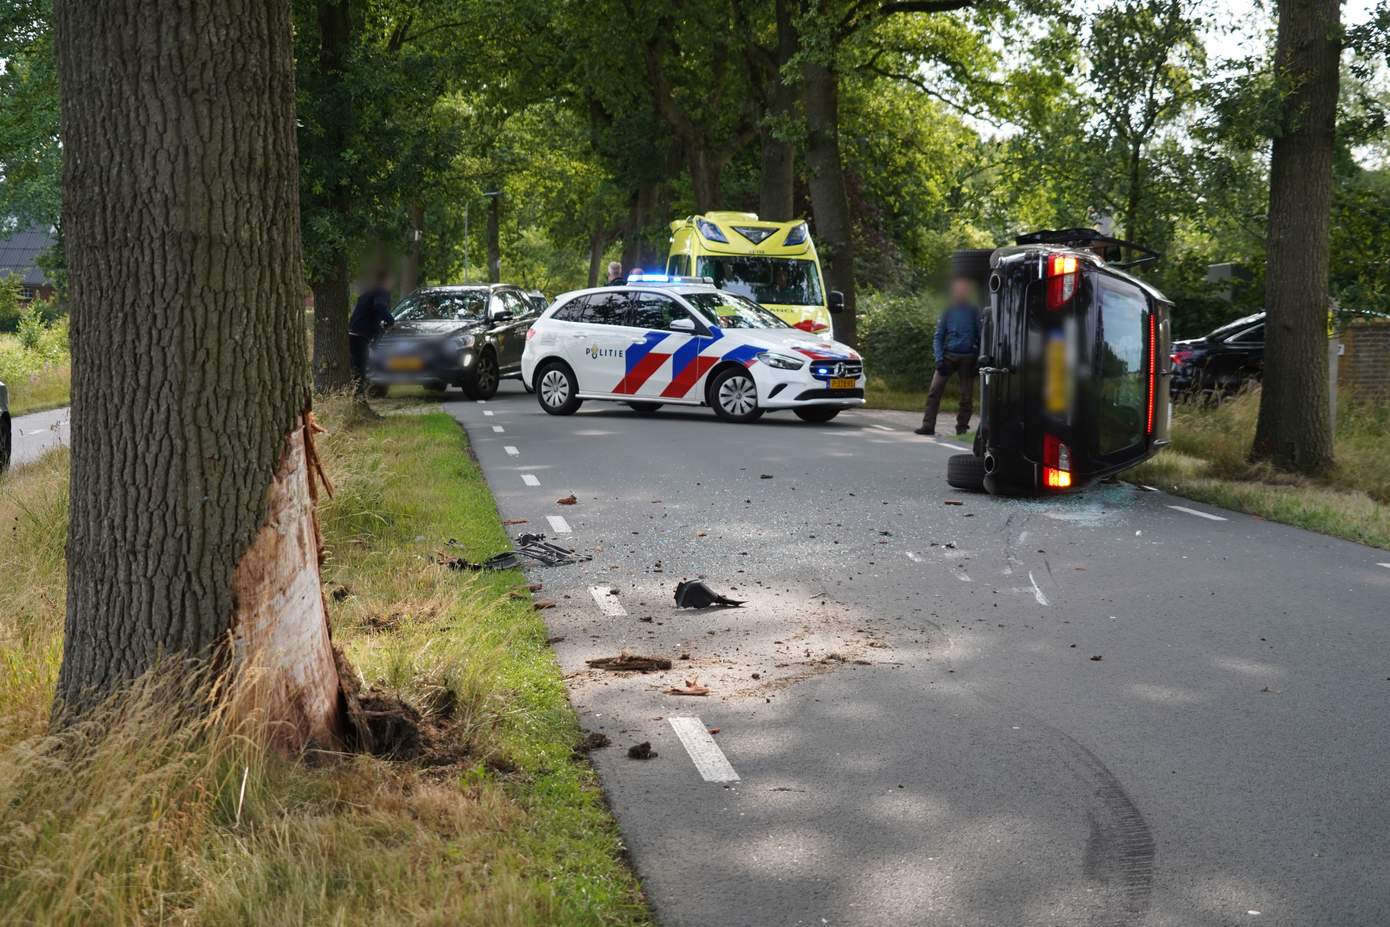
(829, 201)
(332, 370)
(640, 211)
(1294, 430)
(706, 169)
(410, 265)
(778, 179)
(191, 529)
(494, 239)
(596, 269)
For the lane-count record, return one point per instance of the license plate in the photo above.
(843, 382)
(404, 363)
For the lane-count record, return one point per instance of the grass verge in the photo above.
(35, 382)
(1209, 462)
(161, 821)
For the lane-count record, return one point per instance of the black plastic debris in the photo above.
(503, 561)
(547, 553)
(696, 594)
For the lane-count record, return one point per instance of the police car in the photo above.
(680, 340)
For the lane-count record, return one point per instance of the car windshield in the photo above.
(732, 311)
(1121, 368)
(443, 306)
(769, 281)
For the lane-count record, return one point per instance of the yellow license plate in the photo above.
(1056, 378)
(843, 383)
(404, 363)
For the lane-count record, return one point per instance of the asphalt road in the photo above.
(1110, 709)
(36, 434)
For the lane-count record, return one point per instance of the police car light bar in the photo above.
(666, 278)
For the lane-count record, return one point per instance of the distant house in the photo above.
(19, 256)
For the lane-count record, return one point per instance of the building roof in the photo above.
(19, 254)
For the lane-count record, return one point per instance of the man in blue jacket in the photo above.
(370, 317)
(957, 349)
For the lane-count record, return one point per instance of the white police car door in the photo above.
(597, 353)
(663, 355)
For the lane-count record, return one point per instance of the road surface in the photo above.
(36, 434)
(1109, 709)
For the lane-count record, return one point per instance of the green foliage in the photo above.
(895, 337)
(11, 309)
(30, 155)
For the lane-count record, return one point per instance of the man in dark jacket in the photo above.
(370, 317)
(957, 349)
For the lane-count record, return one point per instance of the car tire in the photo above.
(966, 471)
(644, 408)
(376, 391)
(817, 414)
(483, 381)
(6, 447)
(557, 390)
(733, 395)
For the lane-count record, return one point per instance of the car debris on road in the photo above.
(695, 594)
(630, 663)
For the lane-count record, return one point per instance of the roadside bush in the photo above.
(10, 307)
(895, 337)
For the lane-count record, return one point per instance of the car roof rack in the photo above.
(1088, 238)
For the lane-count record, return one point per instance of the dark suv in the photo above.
(465, 336)
(1220, 362)
(1073, 363)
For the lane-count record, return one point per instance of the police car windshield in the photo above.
(732, 311)
(769, 281)
(443, 306)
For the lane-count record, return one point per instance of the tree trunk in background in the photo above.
(596, 269)
(778, 179)
(1294, 430)
(639, 214)
(332, 370)
(706, 169)
(191, 528)
(494, 239)
(833, 233)
(410, 264)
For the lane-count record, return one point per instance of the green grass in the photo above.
(157, 820)
(1209, 462)
(36, 382)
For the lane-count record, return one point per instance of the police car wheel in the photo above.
(483, 381)
(817, 413)
(734, 396)
(556, 389)
(966, 471)
(644, 408)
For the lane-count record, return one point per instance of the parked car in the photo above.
(1222, 361)
(6, 447)
(1073, 366)
(465, 336)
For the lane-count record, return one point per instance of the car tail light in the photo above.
(1153, 369)
(1181, 357)
(530, 333)
(1056, 463)
(1063, 275)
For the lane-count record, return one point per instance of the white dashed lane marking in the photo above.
(487, 412)
(511, 450)
(882, 427)
(1386, 565)
(607, 602)
(558, 524)
(530, 479)
(711, 762)
(1206, 515)
(498, 429)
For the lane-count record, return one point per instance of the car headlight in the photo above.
(461, 342)
(781, 361)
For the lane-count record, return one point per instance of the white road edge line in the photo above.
(1037, 593)
(511, 450)
(558, 524)
(1147, 488)
(530, 479)
(1207, 515)
(1386, 565)
(955, 446)
(883, 428)
(607, 602)
(709, 760)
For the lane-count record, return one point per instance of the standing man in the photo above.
(615, 274)
(957, 349)
(370, 317)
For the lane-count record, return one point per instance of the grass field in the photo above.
(163, 821)
(1209, 462)
(35, 383)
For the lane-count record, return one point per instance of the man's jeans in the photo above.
(964, 365)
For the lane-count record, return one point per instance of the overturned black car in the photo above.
(1073, 363)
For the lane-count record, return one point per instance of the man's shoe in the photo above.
(962, 431)
(924, 430)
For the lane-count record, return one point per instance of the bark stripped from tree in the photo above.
(1294, 430)
(191, 521)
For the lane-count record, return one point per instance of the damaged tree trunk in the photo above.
(192, 529)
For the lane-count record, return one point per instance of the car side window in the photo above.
(571, 311)
(519, 306)
(656, 311)
(1253, 335)
(605, 309)
(678, 266)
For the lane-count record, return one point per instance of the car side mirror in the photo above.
(682, 325)
(837, 301)
(502, 315)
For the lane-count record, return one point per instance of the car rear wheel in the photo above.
(557, 390)
(734, 396)
(817, 413)
(966, 471)
(482, 383)
(644, 408)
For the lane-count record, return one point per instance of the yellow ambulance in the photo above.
(772, 263)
